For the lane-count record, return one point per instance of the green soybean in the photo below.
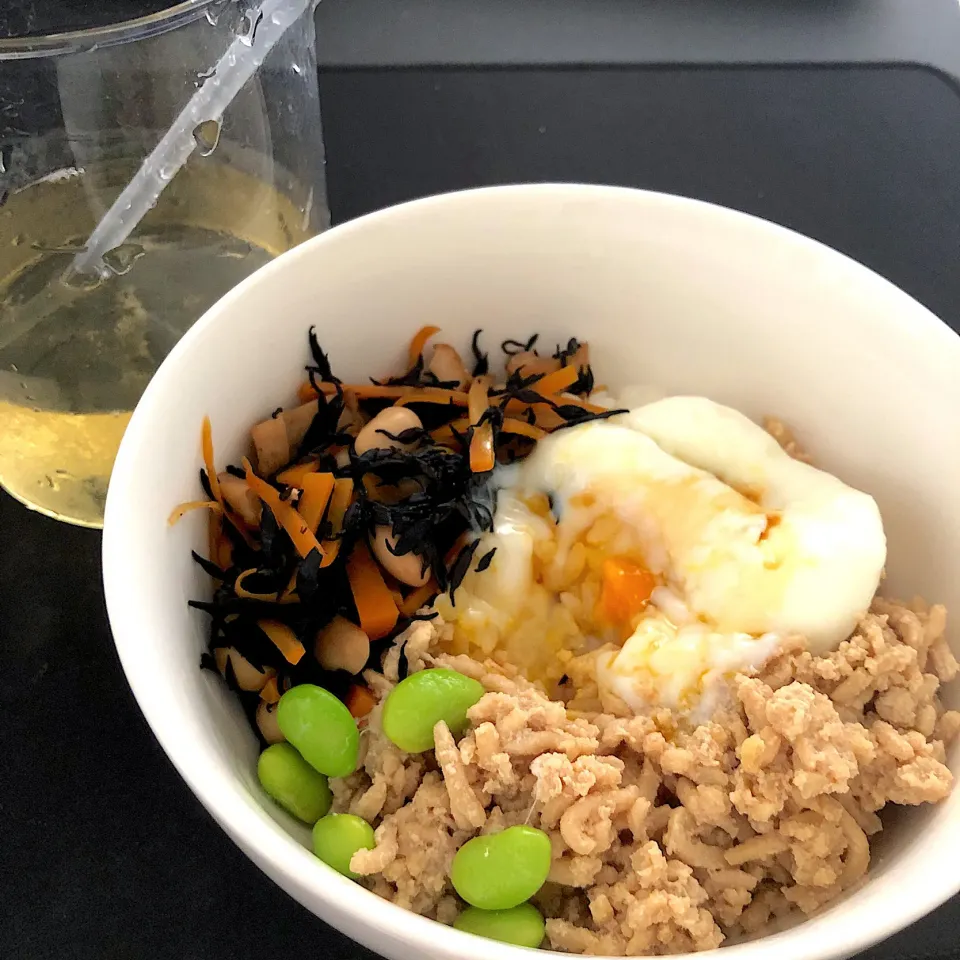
(321, 728)
(293, 783)
(521, 925)
(416, 704)
(502, 870)
(338, 836)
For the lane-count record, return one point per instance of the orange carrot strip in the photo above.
(529, 362)
(482, 456)
(419, 341)
(317, 488)
(360, 701)
(576, 402)
(270, 692)
(206, 442)
(521, 428)
(293, 476)
(300, 534)
(339, 502)
(478, 401)
(178, 513)
(456, 398)
(375, 606)
(373, 391)
(417, 598)
(284, 639)
(557, 381)
(241, 591)
(445, 436)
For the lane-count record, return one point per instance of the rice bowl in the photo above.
(584, 270)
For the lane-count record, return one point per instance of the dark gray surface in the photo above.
(110, 856)
(414, 32)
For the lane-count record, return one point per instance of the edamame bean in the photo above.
(522, 925)
(503, 869)
(321, 728)
(293, 783)
(416, 704)
(338, 836)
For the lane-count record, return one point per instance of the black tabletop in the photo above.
(107, 854)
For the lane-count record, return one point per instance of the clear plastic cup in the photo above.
(79, 112)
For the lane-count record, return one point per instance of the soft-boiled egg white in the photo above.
(702, 545)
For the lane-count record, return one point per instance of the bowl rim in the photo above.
(287, 862)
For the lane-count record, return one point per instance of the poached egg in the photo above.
(683, 543)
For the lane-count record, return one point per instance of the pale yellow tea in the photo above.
(75, 355)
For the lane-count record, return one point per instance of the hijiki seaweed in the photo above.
(292, 541)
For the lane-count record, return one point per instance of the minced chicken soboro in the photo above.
(666, 838)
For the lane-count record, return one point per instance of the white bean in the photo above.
(243, 500)
(267, 722)
(447, 366)
(271, 445)
(342, 645)
(297, 421)
(408, 568)
(393, 420)
(248, 676)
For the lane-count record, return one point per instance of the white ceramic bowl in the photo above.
(684, 295)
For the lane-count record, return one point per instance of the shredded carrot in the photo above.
(300, 534)
(478, 401)
(180, 512)
(530, 362)
(557, 381)
(284, 639)
(270, 692)
(419, 341)
(521, 428)
(317, 488)
(360, 701)
(374, 391)
(454, 398)
(206, 442)
(568, 400)
(241, 591)
(445, 436)
(418, 597)
(339, 502)
(375, 605)
(293, 476)
(482, 456)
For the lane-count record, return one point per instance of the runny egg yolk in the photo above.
(683, 546)
(626, 587)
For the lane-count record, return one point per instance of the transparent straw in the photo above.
(239, 63)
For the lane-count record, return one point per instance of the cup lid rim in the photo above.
(89, 39)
